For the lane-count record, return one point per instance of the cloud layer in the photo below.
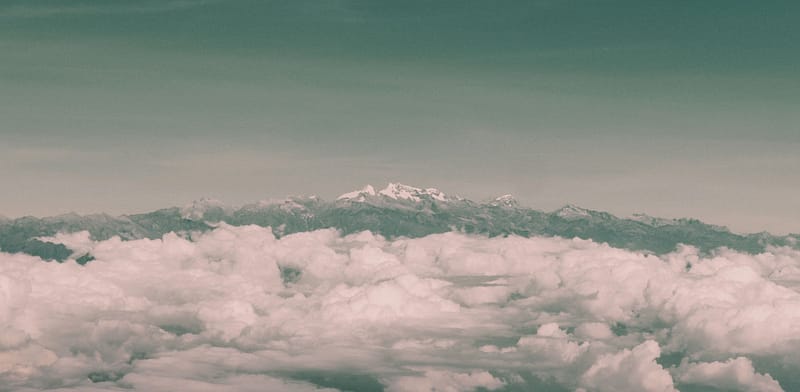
(236, 309)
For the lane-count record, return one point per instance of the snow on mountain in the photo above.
(406, 192)
(504, 201)
(395, 191)
(359, 195)
(571, 211)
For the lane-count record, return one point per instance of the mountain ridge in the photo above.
(395, 211)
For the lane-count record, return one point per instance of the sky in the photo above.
(672, 108)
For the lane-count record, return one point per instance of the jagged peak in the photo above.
(395, 191)
(288, 203)
(571, 211)
(197, 208)
(359, 195)
(507, 200)
(651, 220)
(406, 192)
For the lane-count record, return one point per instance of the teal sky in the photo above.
(673, 108)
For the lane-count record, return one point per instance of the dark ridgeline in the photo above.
(391, 216)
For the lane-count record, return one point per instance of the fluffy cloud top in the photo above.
(238, 309)
(629, 370)
(735, 374)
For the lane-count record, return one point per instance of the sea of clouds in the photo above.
(237, 309)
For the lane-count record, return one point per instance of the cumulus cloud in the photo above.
(735, 374)
(629, 370)
(239, 309)
(437, 380)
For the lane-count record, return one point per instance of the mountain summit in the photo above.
(359, 195)
(199, 208)
(504, 201)
(571, 211)
(395, 191)
(406, 192)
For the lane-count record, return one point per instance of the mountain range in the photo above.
(395, 211)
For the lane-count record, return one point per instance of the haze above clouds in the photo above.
(675, 109)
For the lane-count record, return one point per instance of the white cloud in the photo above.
(735, 374)
(451, 311)
(629, 371)
(445, 381)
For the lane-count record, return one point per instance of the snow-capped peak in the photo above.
(359, 195)
(571, 211)
(504, 201)
(405, 192)
(198, 208)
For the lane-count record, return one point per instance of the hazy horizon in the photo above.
(377, 188)
(674, 109)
